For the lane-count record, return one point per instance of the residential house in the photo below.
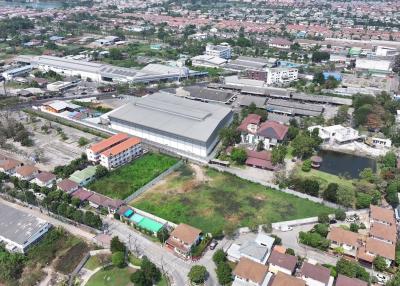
(383, 232)
(45, 179)
(257, 250)
(347, 281)
(96, 200)
(68, 186)
(283, 279)
(336, 134)
(347, 240)
(316, 275)
(183, 238)
(374, 247)
(382, 215)
(27, 172)
(281, 262)
(270, 132)
(280, 43)
(8, 166)
(93, 152)
(122, 153)
(249, 272)
(113, 205)
(82, 194)
(85, 176)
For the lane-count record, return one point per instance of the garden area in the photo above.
(215, 202)
(111, 276)
(124, 181)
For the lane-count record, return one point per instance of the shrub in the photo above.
(239, 155)
(290, 251)
(354, 227)
(323, 218)
(330, 193)
(219, 257)
(197, 274)
(224, 273)
(116, 245)
(340, 214)
(363, 200)
(306, 167)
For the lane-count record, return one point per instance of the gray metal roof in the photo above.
(253, 249)
(246, 100)
(18, 226)
(208, 94)
(297, 105)
(166, 113)
(322, 98)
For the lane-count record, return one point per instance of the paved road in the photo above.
(174, 266)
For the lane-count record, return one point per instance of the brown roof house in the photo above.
(347, 281)
(249, 272)
(183, 238)
(67, 186)
(281, 262)
(316, 275)
(270, 132)
(374, 247)
(27, 172)
(8, 166)
(45, 179)
(349, 241)
(283, 279)
(382, 215)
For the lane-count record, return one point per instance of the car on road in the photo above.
(286, 228)
(213, 244)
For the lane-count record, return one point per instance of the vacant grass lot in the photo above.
(325, 179)
(111, 276)
(213, 201)
(124, 181)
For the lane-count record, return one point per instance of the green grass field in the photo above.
(325, 179)
(111, 276)
(221, 200)
(124, 181)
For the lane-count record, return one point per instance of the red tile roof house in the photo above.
(374, 247)
(82, 194)
(8, 166)
(346, 281)
(183, 238)
(67, 186)
(345, 239)
(94, 151)
(249, 272)
(270, 132)
(27, 172)
(97, 200)
(45, 179)
(316, 275)
(281, 262)
(382, 215)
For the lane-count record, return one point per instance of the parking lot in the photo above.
(58, 146)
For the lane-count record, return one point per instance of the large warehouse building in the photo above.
(19, 230)
(99, 72)
(187, 127)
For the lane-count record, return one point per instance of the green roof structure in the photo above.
(83, 177)
(150, 224)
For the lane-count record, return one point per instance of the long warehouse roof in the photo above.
(174, 115)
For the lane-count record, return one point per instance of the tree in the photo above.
(368, 175)
(330, 193)
(354, 227)
(83, 141)
(118, 259)
(323, 218)
(224, 273)
(151, 272)
(319, 78)
(363, 200)
(342, 115)
(351, 269)
(116, 245)
(101, 171)
(260, 146)
(278, 154)
(392, 193)
(115, 54)
(219, 257)
(379, 263)
(290, 251)
(389, 160)
(163, 234)
(239, 155)
(305, 143)
(197, 274)
(139, 279)
(345, 196)
(229, 136)
(319, 56)
(340, 214)
(395, 281)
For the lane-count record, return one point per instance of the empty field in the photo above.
(214, 201)
(124, 181)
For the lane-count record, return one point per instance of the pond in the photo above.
(345, 164)
(35, 5)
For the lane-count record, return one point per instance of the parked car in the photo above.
(332, 221)
(286, 228)
(382, 279)
(213, 244)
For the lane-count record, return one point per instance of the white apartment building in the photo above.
(281, 75)
(93, 152)
(223, 50)
(121, 153)
(336, 134)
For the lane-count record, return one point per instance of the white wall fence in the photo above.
(156, 218)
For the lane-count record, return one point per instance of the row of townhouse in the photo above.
(260, 263)
(380, 239)
(115, 151)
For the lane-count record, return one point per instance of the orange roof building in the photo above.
(121, 153)
(94, 151)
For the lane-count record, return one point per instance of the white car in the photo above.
(382, 279)
(286, 228)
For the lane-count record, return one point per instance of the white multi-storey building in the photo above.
(93, 152)
(281, 75)
(121, 153)
(223, 51)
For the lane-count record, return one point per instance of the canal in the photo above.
(345, 164)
